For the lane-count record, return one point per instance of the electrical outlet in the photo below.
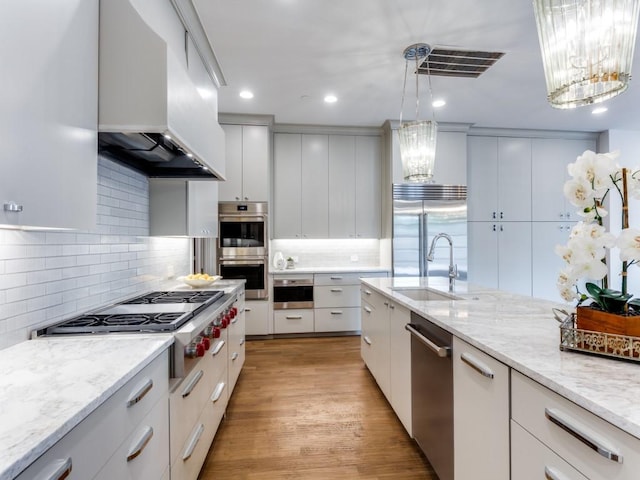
(354, 258)
(295, 259)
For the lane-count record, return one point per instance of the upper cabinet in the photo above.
(247, 164)
(49, 54)
(327, 186)
(499, 171)
(550, 157)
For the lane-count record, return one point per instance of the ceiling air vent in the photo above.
(458, 63)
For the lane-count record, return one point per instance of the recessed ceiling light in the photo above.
(330, 99)
(599, 110)
(438, 103)
(246, 94)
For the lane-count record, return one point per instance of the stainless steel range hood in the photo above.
(153, 114)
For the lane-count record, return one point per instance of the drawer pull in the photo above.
(242, 341)
(293, 317)
(195, 438)
(140, 444)
(367, 309)
(217, 348)
(585, 437)
(192, 383)
(246, 309)
(336, 312)
(477, 365)
(367, 340)
(217, 392)
(336, 290)
(234, 356)
(59, 470)
(336, 278)
(235, 320)
(551, 474)
(139, 395)
(367, 292)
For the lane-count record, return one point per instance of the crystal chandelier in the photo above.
(587, 48)
(417, 138)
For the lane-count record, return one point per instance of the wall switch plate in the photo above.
(354, 258)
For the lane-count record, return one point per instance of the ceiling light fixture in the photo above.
(438, 103)
(599, 110)
(246, 94)
(330, 99)
(417, 138)
(587, 48)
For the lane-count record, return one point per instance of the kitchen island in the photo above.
(522, 334)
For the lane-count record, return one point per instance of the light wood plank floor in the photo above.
(308, 408)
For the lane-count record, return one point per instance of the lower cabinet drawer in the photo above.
(593, 446)
(236, 361)
(336, 296)
(531, 460)
(293, 321)
(337, 319)
(144, 455)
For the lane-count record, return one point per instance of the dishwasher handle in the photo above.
(437, 349)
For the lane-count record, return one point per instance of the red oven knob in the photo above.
(233, 312)
(216, 332)
(194, 350)
(206, 343)
(208, 331)
(200, 350)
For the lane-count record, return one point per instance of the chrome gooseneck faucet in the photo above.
(453, 269)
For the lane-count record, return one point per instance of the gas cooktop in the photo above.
(151, 312)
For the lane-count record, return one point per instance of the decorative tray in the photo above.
(596, 343)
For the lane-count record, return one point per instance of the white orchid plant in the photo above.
(593, 176)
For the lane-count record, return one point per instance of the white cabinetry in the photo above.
(592, 446)
(336, 300)
(293, 321)
(127, 437)
(49, 113)
(247, 163)
(400, 363)
(545, 263)
(480, 413)
(375, 338)
(185, 208)
(315, 186)
(287, 186)
(236, 344)
(257, 317)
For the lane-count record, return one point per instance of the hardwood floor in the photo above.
(308, 408)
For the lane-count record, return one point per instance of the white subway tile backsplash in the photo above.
(46, 277)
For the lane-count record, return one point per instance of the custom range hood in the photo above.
(157, 104)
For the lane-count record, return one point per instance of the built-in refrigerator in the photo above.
(420, 212)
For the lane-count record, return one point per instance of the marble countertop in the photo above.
(523, 333)
(50, 384)
(354, 269)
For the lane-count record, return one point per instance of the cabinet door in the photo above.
(400, 364)
(287, 191)
(315, 186)
(480, 413)
(202, 209)
(482, 168)
(342, 193)
(550, 157)
(514, 257)
(256, 317)
(483, 253)
(49, 54)
(546, 264)
(255, 163)
(367, 187)
(514, 179)
(231, 189)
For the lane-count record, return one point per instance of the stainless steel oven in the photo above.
(252, 269)
(292, 293)
(242, 229)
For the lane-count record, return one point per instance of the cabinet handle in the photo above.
(139, 395)
(191, 446)
(336, 290)
(367, 292)
(494, 228)
(551, 474)
(561, 215)
(437, 349)
(217, 392)
(386, 304)
(235, 320)
(192, 383)
(59, 470)
(501, 215)
(234, 356)
(568, 214)
(477, 365)
(367, 340)
(392, 306)
(140, 444)
(293, 317)
(367, 309)
(493, 215)
(217, 348)
(501, 228)
(336, 278)
(242, 342)
(247, 309)
(598, 445)
(336, 312)
(12, 207)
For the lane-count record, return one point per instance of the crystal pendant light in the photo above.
(587, 48)
(417, 138)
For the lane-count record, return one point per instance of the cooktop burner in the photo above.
(196, 296)
(136, 322)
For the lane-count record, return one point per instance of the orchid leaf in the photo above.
(614, 303)
(593, 289)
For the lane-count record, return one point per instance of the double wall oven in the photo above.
(243, 245)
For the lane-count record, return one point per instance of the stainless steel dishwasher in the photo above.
(432, 393)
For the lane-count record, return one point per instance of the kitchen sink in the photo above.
(424, 294)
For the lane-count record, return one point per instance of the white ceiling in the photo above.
(290, 53)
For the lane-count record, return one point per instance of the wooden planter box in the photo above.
(588, 318)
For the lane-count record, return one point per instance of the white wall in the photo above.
(48, 276)
(329, 252)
